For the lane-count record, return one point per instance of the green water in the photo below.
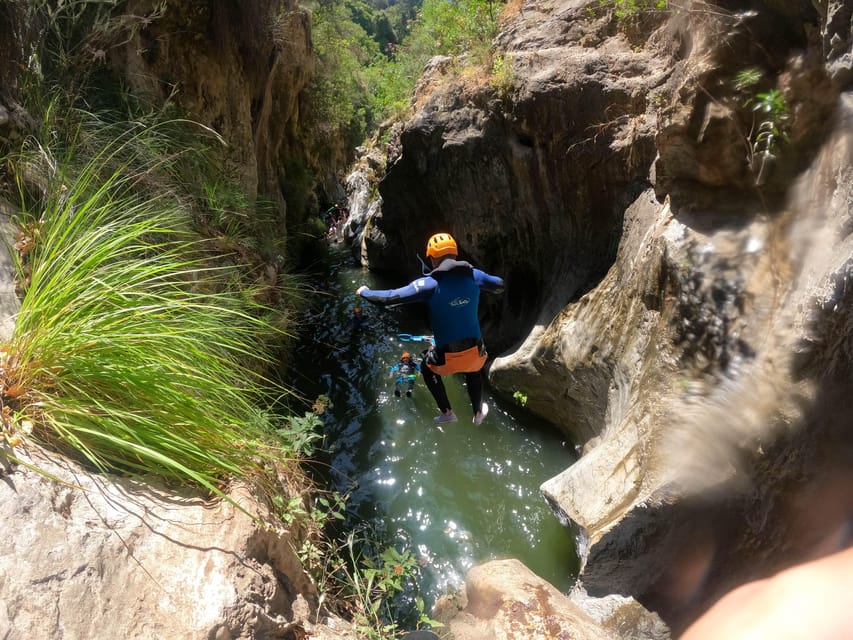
(455, 495)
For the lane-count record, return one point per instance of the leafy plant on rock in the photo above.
(503, 76)
(769, 124)
(627, 8)
(368, 582)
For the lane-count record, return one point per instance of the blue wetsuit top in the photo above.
(406, 370)
(452, 293)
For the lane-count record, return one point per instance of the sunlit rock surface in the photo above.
(95, 556)
(504, 600)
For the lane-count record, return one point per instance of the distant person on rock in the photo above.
(406, 372)
(452, 294)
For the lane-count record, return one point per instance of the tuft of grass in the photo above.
(132, 349)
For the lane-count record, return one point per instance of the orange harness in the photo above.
(466, 361)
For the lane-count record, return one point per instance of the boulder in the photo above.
(505, 600)
(88, 556)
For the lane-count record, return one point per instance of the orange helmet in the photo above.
(442, 244)
(406, 354)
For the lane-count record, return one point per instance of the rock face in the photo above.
(102, 557)
(10, 304)
(240, 70)
(508, 175)
(504, 600)
(678, 298)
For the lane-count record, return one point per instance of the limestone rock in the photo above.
(242, 70)
(10, 304)
(697, 376)
(507, 174)
(104, 557)
(677, 294)
(505, 601)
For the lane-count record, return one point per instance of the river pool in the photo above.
(455, 495)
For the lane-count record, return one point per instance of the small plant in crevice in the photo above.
(623, 9)
(520, 398)
(769, 124)
(369, 583)
(502, 78)
(301, 433)
(311, 522)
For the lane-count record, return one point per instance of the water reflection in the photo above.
(459, 494)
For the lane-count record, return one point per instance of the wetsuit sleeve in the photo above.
(488, 282)
(416, 291)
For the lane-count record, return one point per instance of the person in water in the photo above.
(358, 320)
(452, 294)
(407, 371)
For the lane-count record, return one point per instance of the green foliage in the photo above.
(391, 83)
(368, 583)
(326, 508)
(353, 69)
(748, 78)
(772, 107)
(628, 8)
(132, 349)
(520, 398)
(446, 28)
(769, 126)
(503, 77)
(75, 39)
(343, 49)
(301, 433)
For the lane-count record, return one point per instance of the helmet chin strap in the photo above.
(424, 268)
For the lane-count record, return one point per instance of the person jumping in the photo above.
(452, 294)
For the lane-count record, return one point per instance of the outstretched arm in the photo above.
(416, 291)
(488, 282)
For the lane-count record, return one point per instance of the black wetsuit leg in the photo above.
(435, 385)
(474, 383)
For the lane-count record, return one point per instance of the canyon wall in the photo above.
(668, 196)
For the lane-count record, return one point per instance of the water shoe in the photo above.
(481, 414)
(444, 417)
